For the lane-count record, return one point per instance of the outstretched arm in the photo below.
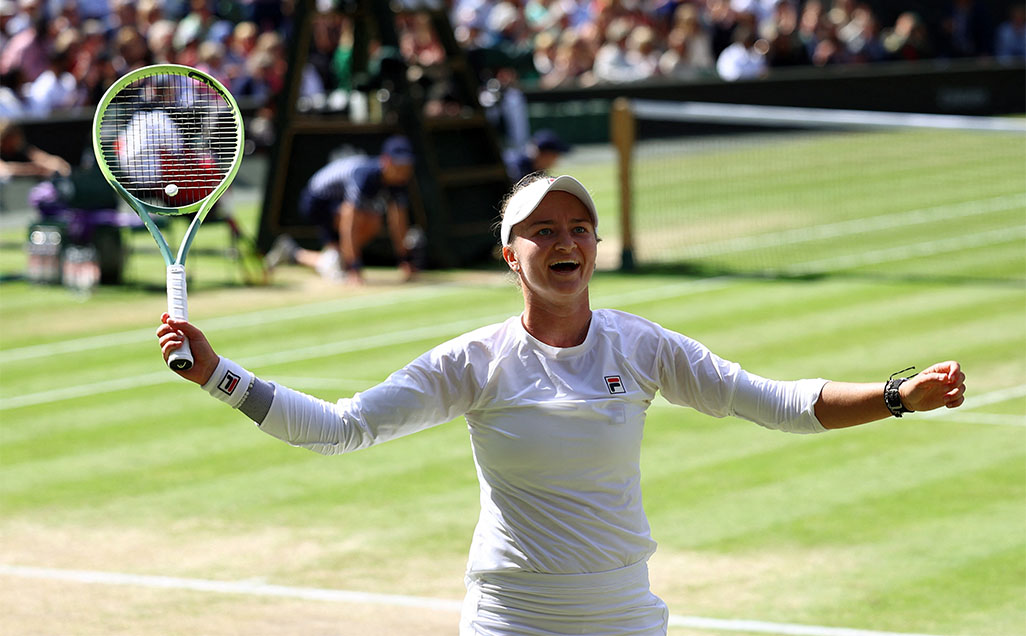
(844, 404)
(431, 390)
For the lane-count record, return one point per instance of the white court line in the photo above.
(349, 345)
(729, 246)
(255, 588)
(858, 226)
(911, 250)
(974, 402)
(232, 321)
(783, 629)
(992, 419)
(251, 588)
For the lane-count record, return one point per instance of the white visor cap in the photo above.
(525, 200)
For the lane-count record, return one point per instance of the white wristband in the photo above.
(229, 383)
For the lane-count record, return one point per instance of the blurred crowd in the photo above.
(586, 42)
(61, 54)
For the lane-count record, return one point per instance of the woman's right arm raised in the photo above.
(430, 390)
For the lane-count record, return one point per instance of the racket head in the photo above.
(168, 138)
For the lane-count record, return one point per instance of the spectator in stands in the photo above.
(149, 12)
(810, 25)
(131, 51)
(861, 36)
(160, 40)
(11, 105)
(781, 33)
(55, 88)
(744, 59)
(840, 13)
(674, 62)
(211, 61)
(26, 50)
(187, 39)
(697, 41)
(967, 30)
(572, 64)
(829, 51)
(761, 10)
(349, 200)
(721, 21)
(18, 158)
(642, 53)
(540, 155)
(544, 56)
(195, 25)
(543, 16)
(241, 43)
(327, 33)
(552, 42)
(1011, 36)
(908, 40)
(122, 14)
(94, 38)
(272, 43)
(611, 63)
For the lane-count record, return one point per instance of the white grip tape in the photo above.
(178, 308)
(177, 302)
(229, 382)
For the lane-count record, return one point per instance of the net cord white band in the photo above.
(815, 117)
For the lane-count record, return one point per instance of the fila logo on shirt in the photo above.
(614, 384)
(228, 383)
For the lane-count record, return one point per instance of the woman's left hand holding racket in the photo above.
(172, 333)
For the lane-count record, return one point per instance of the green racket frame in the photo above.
(180, 359)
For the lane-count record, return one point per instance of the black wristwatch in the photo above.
(892, 398)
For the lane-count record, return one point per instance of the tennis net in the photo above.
(757, 190)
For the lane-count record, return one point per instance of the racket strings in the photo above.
(169, 139)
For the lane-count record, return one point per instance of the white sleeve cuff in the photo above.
(229, 383)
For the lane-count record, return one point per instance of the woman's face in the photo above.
(553, 250)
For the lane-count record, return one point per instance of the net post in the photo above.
(622, 133)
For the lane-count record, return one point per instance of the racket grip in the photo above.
(178, 308)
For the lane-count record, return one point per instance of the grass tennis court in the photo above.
(109, 463)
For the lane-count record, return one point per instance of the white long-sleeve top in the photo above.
(556, 432)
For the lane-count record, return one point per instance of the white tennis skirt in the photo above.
(515, 603)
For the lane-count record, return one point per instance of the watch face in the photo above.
(892, 398)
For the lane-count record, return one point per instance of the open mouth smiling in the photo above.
(565, 266)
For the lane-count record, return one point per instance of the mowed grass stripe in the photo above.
(375, 329)
(780, 487)
(906, 582)
(698, 188)
(259, 318)
(905, 511)
(834, 329)
(793, 187)
(831, 164)
(861, 528)
(313, 331)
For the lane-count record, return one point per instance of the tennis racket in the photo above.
(169, 140)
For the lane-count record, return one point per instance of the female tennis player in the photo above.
(555, 402)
